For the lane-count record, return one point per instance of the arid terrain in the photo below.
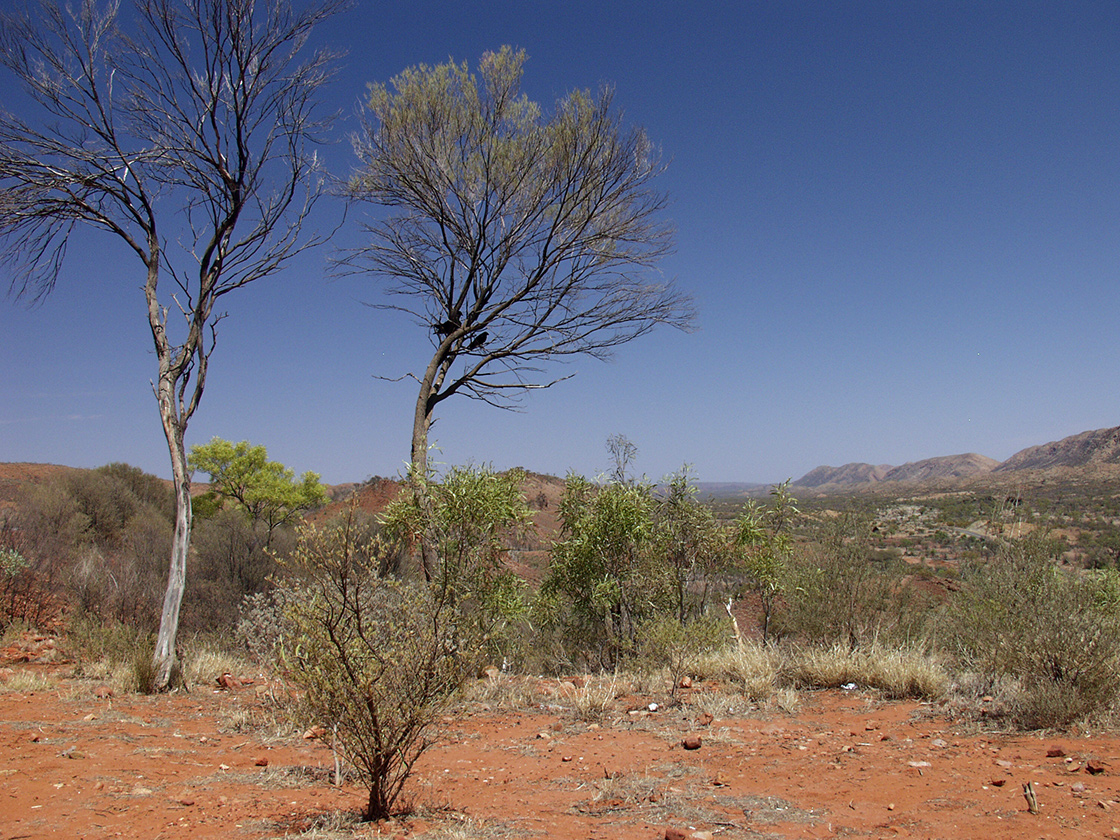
(526, 760)
(582, 757)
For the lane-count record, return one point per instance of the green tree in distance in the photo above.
(516, 238)
(266, 490)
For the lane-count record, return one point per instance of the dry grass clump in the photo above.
(898, 672)
(28, 681)
(205, 659)
(507, 692)
(751, 668)
(592, 701)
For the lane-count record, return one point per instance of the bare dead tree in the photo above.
(189, 134)
(517, 239)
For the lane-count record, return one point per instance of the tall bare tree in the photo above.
(515, 238)
(187, 133)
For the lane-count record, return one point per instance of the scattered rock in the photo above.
(998, 782)
(1055, 752)
(228, 681)
(687, 834)
(314, 733)
(1094, 767)
(186, 802)
(706, 719)
(262, 761)
(691, 742)
(686, 682)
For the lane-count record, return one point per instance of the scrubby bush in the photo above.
(665, 643)
(839, 591)
(378, 659)
(467, 520)
(1048, 636)
(605, 577)
(763, 546)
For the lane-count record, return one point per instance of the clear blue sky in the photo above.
(900, 222)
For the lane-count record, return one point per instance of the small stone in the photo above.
(103, 692)
(890, 807)
(187, 802)
(706, 719)
(228, 681)
(676, 834)
(691, 742)
(1055, 752)
(566, 758)
(1077, 788)
(720, 779)
(314, 732)
(89, 717)
(1006, 765)
(262, 761)
(543, 736)
(919, 764)
(1094, 767)
(998, 782)
(1103, 805)
(686, 682)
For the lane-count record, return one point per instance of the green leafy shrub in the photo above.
(605, 576)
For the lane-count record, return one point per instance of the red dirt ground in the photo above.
(74, 764)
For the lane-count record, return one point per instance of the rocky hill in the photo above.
(948, 466)
(844, 476)
(1093, 448)
(1097, 451)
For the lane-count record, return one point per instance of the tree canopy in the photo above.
(266, 490)
(516, 237)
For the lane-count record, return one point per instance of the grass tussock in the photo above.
(749, 668)
(594, 700)
(905, 672)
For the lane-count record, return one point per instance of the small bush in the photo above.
(1052, 632)
(378, 659)
(666, 643)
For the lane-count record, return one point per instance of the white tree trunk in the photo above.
(165, 661)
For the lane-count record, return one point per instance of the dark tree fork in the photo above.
(189, 134)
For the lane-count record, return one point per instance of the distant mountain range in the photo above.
(1092, 452)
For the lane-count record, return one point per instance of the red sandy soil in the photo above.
(77, 762)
